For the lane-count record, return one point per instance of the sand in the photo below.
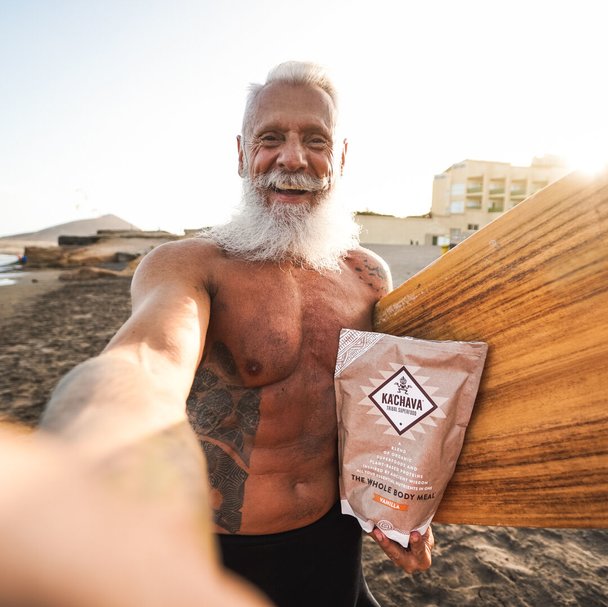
(54, 325)
(28, 285)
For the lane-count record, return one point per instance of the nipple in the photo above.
(253, 367)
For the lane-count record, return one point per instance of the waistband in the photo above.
(332, 519)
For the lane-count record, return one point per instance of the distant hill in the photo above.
(81, 227)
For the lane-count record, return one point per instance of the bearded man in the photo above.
(242, 323)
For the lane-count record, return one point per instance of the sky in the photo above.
(132, 107)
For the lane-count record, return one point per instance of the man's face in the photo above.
(290, 133)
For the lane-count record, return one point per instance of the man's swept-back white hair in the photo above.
(295, 73)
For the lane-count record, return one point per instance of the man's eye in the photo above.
(269, 139)
(318, 142)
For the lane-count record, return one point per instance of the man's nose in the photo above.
(292, 155)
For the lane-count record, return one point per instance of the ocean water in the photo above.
(7, 260)
(8, 265)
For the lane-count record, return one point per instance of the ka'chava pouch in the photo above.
(403, 405)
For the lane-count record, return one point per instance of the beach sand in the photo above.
(54, 325)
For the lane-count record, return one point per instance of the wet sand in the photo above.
(54, 325)
(28, 285)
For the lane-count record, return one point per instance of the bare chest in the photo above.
(265, 328)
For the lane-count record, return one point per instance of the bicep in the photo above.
(165, 333)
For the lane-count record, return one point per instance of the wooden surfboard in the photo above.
(533, 284)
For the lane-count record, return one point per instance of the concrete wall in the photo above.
(398, 230)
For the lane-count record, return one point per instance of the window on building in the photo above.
(457, 206)
(518, 187)
(497, 206)
(473, 226)
(474, 185)
(455, 234)
(518, 190)
(497, 187)
(457, 189)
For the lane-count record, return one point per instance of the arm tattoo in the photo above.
(374, 275)
(225, 417)
(376, 270)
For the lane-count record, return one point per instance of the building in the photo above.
(471, 193)
(466, 197)
(386, 229)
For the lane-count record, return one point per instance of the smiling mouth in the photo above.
(289, 191)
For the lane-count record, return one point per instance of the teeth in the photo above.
(285, 186)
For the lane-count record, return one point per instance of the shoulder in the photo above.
(182, 254)
(187, 249)
(371, 268)
(367, 256)
(191, 260)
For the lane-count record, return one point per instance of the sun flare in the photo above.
(590, 162)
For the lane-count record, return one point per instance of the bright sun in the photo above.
(592, 161)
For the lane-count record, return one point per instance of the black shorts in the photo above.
(315, 566)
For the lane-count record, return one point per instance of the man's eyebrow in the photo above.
(307, 128)
(270, 126)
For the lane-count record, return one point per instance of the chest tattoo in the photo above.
(225, 417)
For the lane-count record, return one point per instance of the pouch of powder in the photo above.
(403, 405)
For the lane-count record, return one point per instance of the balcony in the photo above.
(518, 194)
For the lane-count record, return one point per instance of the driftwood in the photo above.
(533, 284)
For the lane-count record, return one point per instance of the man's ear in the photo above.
(343, 156)
(239, 146)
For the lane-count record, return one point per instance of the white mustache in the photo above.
(283, 180)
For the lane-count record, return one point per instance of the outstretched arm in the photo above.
(116, 512)
(124, 411)
(139, 384)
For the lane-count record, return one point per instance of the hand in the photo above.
(416, 557)
(122, 534)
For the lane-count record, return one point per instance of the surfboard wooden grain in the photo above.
(533, 284)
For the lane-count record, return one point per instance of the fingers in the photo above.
(421, 547)
(417, 556)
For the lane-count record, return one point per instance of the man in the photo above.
(243, 324)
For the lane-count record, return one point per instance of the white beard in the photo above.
(316, 236)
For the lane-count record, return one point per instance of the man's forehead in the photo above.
(285, 102)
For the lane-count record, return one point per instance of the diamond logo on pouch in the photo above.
(402, 401)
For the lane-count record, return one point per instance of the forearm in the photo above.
(131, 424)
(110, 402)
(134, 433)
